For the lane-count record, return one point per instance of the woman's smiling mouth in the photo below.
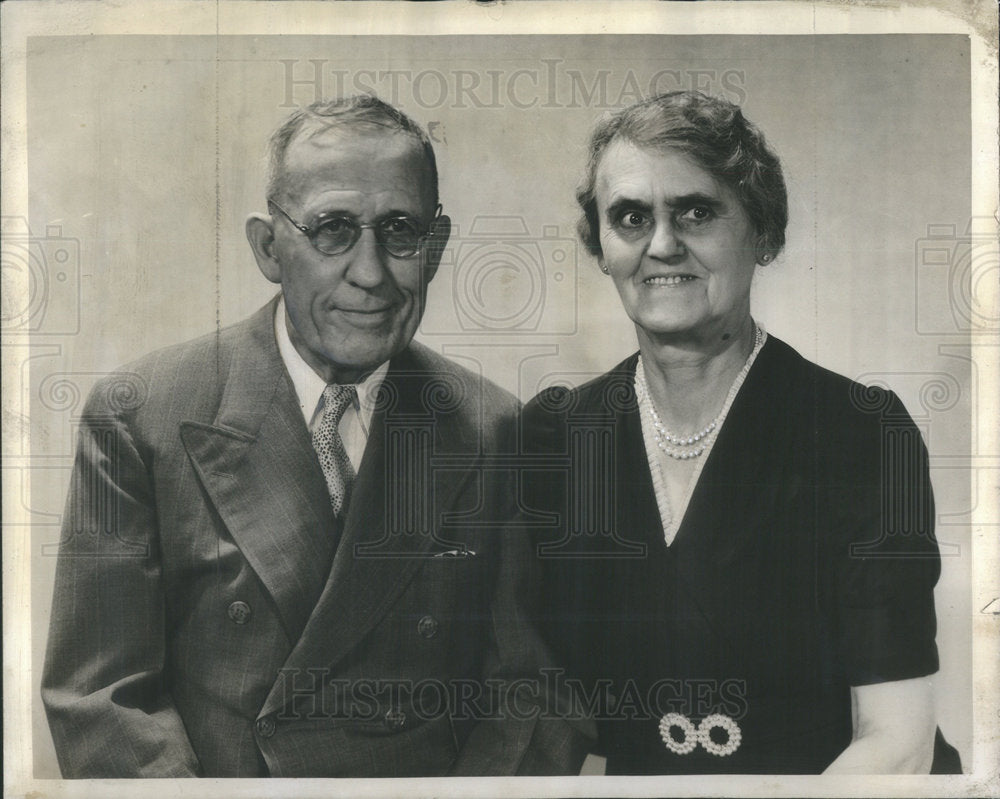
(668, 280)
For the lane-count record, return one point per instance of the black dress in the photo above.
(805, 564)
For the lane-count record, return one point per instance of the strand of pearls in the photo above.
(686, 447)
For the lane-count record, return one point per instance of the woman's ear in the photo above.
(763, 254)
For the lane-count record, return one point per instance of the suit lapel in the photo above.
(393, 517)
(259, 469)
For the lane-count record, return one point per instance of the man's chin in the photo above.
(362, 359)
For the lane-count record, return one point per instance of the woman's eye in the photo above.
(696, 215)
(633, 220)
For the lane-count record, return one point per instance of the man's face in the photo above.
(348, 313)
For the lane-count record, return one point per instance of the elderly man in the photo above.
(282, 551)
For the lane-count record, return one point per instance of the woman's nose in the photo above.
(666, 243)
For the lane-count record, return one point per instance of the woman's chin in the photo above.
(668, 328)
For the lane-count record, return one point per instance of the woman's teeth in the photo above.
(673, 280)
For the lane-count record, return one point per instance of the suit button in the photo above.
(427, 626)
(395, 719)
(240, 612)
(265, 727)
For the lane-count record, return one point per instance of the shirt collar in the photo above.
(309, 386)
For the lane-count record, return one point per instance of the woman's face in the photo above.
(676, 242)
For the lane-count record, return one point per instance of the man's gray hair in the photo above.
(357, 112)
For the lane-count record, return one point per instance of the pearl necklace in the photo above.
(683, 447)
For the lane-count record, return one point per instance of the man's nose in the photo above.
(666, 243)
(367, 261)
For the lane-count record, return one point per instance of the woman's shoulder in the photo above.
(610, 392)
(835, 396)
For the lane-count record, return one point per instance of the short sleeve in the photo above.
(885, 557)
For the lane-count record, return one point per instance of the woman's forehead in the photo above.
(655, 173)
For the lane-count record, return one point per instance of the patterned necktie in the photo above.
(329, 446)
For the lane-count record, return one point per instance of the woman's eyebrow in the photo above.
(688, 200)
(694, 198)
(620, 204)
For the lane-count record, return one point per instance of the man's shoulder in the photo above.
(176, 373)
(212, 345)
(452, 381)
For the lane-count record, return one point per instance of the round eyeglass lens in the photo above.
(335, 235)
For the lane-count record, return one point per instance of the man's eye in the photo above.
(399, 226)
(335, 226)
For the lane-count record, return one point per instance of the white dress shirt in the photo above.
(356, 421)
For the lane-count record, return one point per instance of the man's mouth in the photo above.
(365, 317)
(668, 280)
(365, 308)
(372, 311)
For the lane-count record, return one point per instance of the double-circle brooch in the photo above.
(701, 734)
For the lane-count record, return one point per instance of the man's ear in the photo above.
(435, 244)
(260, 234)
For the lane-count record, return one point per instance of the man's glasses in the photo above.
(334, 234)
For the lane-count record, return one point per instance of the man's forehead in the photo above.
(355, 137)
(356, 156)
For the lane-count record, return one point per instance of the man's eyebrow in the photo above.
(334, 213)
(338, 213)
(394, 213)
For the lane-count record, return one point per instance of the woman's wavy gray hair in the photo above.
(716, 135)
(361, 112)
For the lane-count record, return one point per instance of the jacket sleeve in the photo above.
(104, 686)
(534, 731)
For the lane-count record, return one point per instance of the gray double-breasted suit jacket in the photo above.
(212, 617)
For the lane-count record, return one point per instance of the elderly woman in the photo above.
(739, 552)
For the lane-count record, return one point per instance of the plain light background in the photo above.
(146, 154)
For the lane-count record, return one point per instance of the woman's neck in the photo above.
(688, 380)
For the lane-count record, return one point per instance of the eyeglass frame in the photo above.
(311, 232)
